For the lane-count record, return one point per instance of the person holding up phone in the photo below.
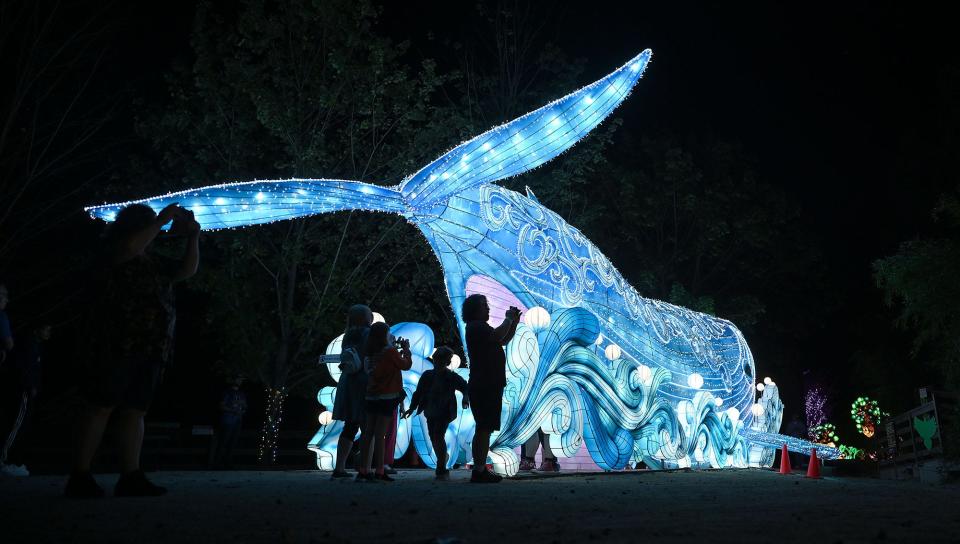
(488, 376)
(129, 340)
(384, 363)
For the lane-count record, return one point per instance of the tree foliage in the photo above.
(921, 280)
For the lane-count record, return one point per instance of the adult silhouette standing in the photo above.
(130, 339)
(488, 376)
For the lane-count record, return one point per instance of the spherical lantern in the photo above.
(454, 362)
(645, 374)
(733, 413)
(695, 380)
(613, 352)
(767, 380)
(757, 410)
(325, 417)
(718, 401)
(761, 387)
(378, 318)
(537, 318)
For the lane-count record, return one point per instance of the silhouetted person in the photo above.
(384, 364)
(436, 397)
(130, 339)
(488, 376)
(528, 453)
(232, 407)
(26, 372)
(349, 406)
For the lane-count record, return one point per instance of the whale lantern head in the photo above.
(656, 382)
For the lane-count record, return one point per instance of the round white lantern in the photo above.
(757, 410)
(325, 417)
(760, 387)
(378, 318)
(695, 380)
(733, 413)
(718, 401)
(454, 362)
(645, 374)
(767, 380)
(537, 318)
(613, 352)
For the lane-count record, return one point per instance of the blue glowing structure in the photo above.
(630, 378)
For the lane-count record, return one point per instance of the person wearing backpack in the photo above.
(436, 396)
(349, 404)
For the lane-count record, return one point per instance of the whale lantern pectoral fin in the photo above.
(234, 205)
(526, 142)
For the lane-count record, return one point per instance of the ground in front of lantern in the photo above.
(306, 506)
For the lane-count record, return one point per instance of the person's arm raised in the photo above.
(191, 256)
(137, 241)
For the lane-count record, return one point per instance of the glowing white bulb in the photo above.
(588, 100)
(537, 318)
(454, 361)
(757, 410)
(378, 318)
(760, 387)
(260, 197)
(695, 380)
(325, 417)
(486, 146)
(613, 352)
(767, 380)
(718, 401)
(220, 201)
(645, 373)
(733, 413)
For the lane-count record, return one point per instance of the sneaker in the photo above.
(549, 466)
(81, 485)
(387, 469)
(365, 478)
(526, 465)
(339, 474)
(384, 478)
(484, 477)
(136, 484)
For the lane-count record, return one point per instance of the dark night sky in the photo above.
(842, 105)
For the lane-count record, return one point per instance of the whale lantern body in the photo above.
(632, 378)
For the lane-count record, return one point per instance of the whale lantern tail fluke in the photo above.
(526, 142)
(499, 153)
(256, 202)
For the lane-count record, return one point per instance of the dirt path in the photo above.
(708, 507)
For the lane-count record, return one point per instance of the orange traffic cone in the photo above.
(813, 469)
(784, 461)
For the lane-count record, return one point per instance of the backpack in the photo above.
(350, 361)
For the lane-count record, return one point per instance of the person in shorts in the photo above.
(436, 398)
(385, 361)
(130, 338)
(488, 376)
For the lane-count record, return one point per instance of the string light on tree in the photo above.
(867, 415)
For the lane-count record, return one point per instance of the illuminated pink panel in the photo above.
(499, 298)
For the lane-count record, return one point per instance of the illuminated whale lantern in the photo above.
(594, 364)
